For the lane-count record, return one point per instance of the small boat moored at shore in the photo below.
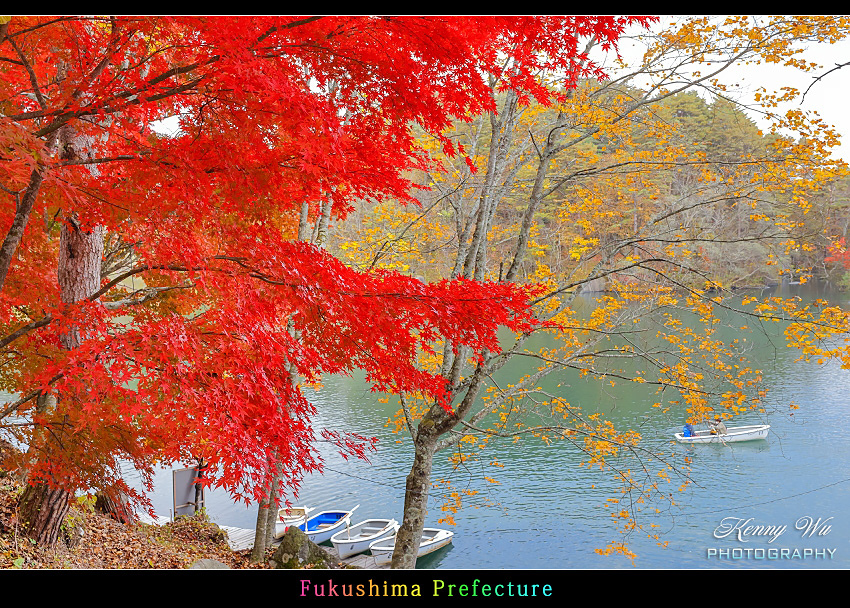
(732, 435)
(322, 526)
(293, 516)
(357, 538)
(432, 539)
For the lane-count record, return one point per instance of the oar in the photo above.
(351, 511)
(723, 441)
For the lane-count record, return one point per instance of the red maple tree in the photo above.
(185, 302)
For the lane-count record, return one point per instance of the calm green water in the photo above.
(547, 512)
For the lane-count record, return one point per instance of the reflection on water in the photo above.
(544, 510)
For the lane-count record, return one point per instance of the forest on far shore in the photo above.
(684, 177)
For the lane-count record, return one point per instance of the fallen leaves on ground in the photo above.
(107, 544)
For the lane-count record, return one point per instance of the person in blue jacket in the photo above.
(688, 430)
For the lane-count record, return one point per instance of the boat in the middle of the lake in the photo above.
(732, 435)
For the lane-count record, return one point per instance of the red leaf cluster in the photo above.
(190, 348)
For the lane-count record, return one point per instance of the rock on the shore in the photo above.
(297, 551)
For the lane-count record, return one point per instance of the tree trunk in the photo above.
(262, 538)
(80, 252)
(434, 424)
(417, 487)
(266, 516)
(115, 507)
(267, 513)
(45, 402)
(42, 510)
(199, 486)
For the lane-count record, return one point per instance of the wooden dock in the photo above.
(240, 539)
(159, 520)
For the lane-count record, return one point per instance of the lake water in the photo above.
(547, 512)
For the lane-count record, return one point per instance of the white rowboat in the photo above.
(357, 538)
(432, 539)
(294, 516)
(732, 435)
